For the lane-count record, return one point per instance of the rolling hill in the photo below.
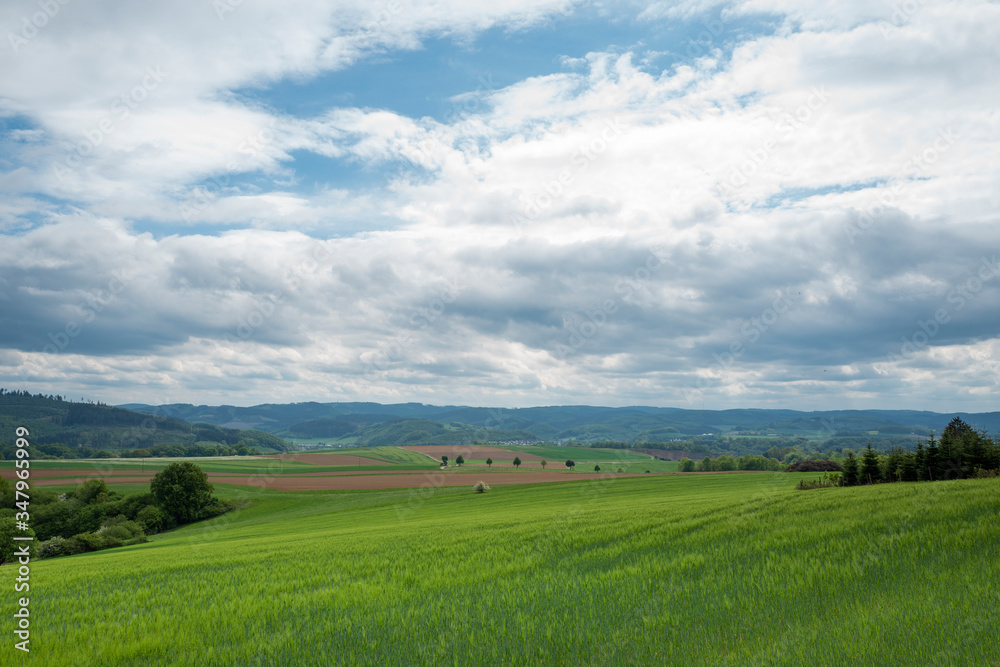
(580, 423)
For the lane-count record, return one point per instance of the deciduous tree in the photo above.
(182, 490)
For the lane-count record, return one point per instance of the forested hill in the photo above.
(65, 428)
(579, 423)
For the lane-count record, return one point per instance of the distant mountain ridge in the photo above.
(56, 423)
(580, 423)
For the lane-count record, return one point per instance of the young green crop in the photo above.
(688, 569)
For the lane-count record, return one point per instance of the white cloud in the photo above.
(509, 229)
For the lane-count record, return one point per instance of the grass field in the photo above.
(735, 569)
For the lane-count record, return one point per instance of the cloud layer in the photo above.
(800, 215)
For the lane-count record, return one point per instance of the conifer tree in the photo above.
(920, 458)
(850, 470)
(908, 468)
(892, 464)
(870, 471)
(934, 471)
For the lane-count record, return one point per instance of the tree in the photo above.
(9, 546)
(444, 460)
(908, 468)
(517, 461)
(955, 433)
(892, 465)
(870, 471)
(6, 494)
(570, 463)
(935, 469)
(92, 491)
(544, 463)
(460, 460)
(850, 477)
(920, 459)
(597, 468)
(182, 490)
(685, 465)
(489, 462)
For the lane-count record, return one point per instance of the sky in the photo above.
(696, 204)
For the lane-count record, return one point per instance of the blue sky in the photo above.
(757, 203)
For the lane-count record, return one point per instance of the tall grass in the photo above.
(736, 569)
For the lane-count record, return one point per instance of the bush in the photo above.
(152, 519)
(215, 508)
(481, 487)
(828, 480)
(52, 548)
(97, 541)
(121, 529)
(92, 491)
(59, 546)
(815, 466)
(8, 546)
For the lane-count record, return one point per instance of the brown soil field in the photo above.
(36, 474)
(327, 459)
(472, 453)
(534, 464)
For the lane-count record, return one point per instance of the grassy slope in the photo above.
(714, 569)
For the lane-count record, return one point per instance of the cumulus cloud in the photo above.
(807, 220)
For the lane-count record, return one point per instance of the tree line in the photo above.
(93, 517)
(961, 453)
(727, 463)
(61, 451)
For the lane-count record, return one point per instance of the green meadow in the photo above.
(726, 569)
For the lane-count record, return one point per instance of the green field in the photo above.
(586, 457)
(735, 569)
(367, 458)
